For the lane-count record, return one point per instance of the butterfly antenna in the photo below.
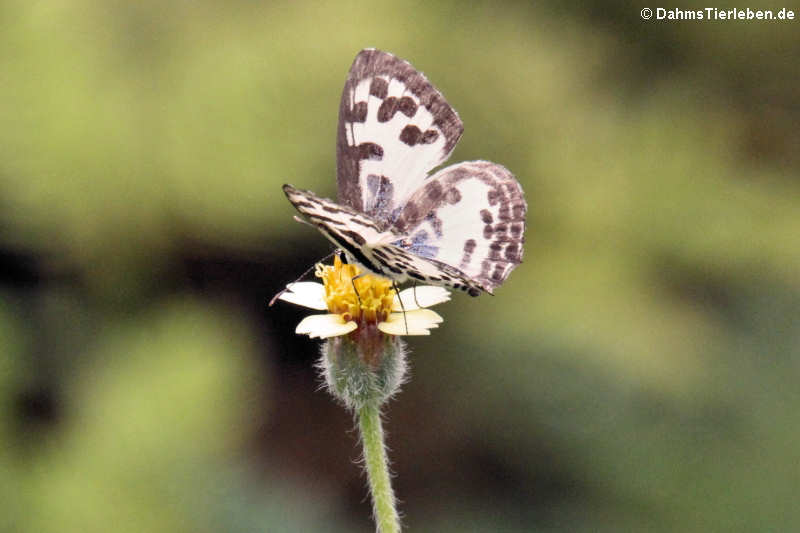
(415, 295)
(307, 223)
(274, 298)
(397, 291)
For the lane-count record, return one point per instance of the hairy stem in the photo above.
(376, 462)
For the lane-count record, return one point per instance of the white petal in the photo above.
(307, 294)
(426, 296)
(419, 322)
(324, 326)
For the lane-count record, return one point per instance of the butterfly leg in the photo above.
(415, 295)
(274, 298)
(397, 291)
(353, 282)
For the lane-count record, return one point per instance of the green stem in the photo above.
(380, 487)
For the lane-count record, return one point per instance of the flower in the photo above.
(376, 305)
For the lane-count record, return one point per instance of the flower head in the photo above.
(376, 305)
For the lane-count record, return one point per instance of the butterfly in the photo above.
(461, 227)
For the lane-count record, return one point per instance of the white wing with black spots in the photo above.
(470, 216)
(394, 128)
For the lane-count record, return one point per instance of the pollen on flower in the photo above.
(372, 305)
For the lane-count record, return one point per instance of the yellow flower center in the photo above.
(375, 297)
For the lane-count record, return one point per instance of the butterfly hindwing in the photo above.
(394, 127)
(470, 216)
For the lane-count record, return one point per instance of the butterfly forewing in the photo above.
(394, 127)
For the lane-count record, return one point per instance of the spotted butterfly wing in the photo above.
(470, 215)
(462, 227)
(394, 128)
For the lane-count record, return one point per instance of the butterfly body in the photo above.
(462, 227)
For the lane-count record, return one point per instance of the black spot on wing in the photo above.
(364, 223)
(469, 247)
(388, 264)
(429, 137)
(355, 236)
(387, 109)
(393, 268)
(494, 251)
(407, 106)
(379, 87)
(358, 113)
(452, 196)
(504, 213)
(433, 191)
(497, 275)
(410, 210)
(370, 151)
(511, 252)
(410, 135)
(330, 221)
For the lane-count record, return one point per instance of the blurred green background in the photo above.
(639, 372)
